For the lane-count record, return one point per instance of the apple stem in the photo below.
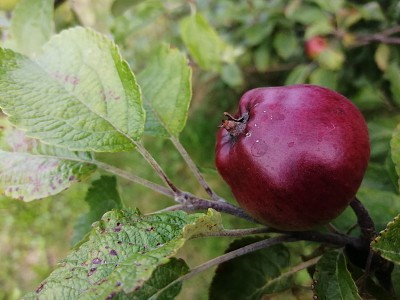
(364, 220)
(381, 267)
(235, 126)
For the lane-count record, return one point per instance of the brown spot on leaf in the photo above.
(91, 271)
(40, 288)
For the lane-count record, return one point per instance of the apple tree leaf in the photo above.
(285, 43)
(32, 25)
(203, 42)
(162, 277)
(31, 170)
(387, 244)
(122, 252)
(392, 74)
(101, 196)
(120, 6)
(78, 94)
(263, 271)
(167, 91)
(332, 280)
(395, 148)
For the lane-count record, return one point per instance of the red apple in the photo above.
(294, 156)
(315, 45)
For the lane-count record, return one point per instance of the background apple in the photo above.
(315, 46)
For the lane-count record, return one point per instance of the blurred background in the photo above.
(349, 46)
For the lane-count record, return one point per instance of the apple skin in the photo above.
(297, 157)
(314, 46)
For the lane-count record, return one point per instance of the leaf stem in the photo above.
(150, 159)
(182, 151)
(226, 257)
(131, 177)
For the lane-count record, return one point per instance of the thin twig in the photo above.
(194, 168)
(226, 257)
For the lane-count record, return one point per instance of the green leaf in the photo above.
(32, 25)
(232, 75)
(120, 6)
(79, 94)
(381, 131)
(307, 14)
(203, 42)
(387, 244)
(332, 280)
(331, 59)
(31, 170)
(395, 149)
(330, 6)
(382, 56)
(161, 277)
(372, 11)
(324, 77)
(392, 74)
(262, 58)
(167, 91)
(299, 74)
(285, 43)
(368, 96)
(322, 27)
(102, 196)
(262, 269)
(122, 253)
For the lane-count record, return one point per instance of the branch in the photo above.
(226, 257)
(340, 240)
(382, 37)
(193, 203)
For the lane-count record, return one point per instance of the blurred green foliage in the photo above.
(233, 46)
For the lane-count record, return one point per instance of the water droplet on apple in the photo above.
(248, 134)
